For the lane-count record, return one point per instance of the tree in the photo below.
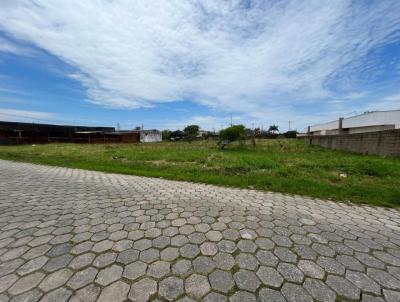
(191, 132)
(176, 135)
(166, 134)
(273, 129)
(231, 134)
(290, 134)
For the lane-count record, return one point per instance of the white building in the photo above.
(366, 122)
(150, 136)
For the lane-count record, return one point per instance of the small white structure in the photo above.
(150, 136)
(366, 122)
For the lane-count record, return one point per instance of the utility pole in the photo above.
(289, 125)
(231, 120)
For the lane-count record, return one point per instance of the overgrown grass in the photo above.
(288, 166)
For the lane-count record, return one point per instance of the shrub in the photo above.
(191, 132)
(231, 134)
(166, 134)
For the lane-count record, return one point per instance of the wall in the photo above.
(150, 136)
(385, 143)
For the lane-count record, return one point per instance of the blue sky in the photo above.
(166, 64)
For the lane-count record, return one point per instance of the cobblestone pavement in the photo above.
(75, 235)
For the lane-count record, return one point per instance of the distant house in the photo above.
(366, 122)
(150, 136)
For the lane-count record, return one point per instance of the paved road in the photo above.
(75, 235)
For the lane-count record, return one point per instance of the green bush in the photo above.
(232, 133)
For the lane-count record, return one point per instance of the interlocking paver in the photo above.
(270, 277)
(116, 292)
(221, 281)
(319, 290)
(143, 290)
(75, 235)
(197, 286)
(60, 295)
(55, 279)
(26, 283)
(247, 280)
(171, 288)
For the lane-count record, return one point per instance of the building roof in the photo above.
(373, 118)
(10, 126)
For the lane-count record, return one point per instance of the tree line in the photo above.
(227, 135)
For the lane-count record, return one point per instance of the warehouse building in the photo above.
(32, 133)
(367, 122)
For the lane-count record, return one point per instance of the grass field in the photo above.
(289, 166)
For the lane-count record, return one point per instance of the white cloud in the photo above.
(132, 54)
(393, 97)
(10, 47)
(25, 115)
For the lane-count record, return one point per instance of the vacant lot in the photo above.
(288, 166)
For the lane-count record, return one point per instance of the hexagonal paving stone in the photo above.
(227, 246)
(82, 261)
(143, 290)
(142, 244)
(60, 295)
(213, 297)
(182, 267)
(55, 279)
(116, 292)
(135, 270)
(149, 255)
(26, 283)
(247, 280)
(246, 261)
(86, 294)
(82, 278)
(391, 296)
(102, 246)
(158, 269)
(171, 288)
(290, 272)
(363, 282)
(89, 236)
(311, 269)
(189, 251)
(128, 256)
(383, 278)
(209, 248)
(197, 286)
(58, 262)
(224, 261)
(105, 259)
(241, 296)
(331, 266)
(203, 265)
(319, 290)
(295, 293)
(109, 275)
(343, 287)
(214, 235)
(270, 277)
(270, 295)
(221, 281)
(169, 254)
(32, 265)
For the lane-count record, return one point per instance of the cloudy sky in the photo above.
(169, 63)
